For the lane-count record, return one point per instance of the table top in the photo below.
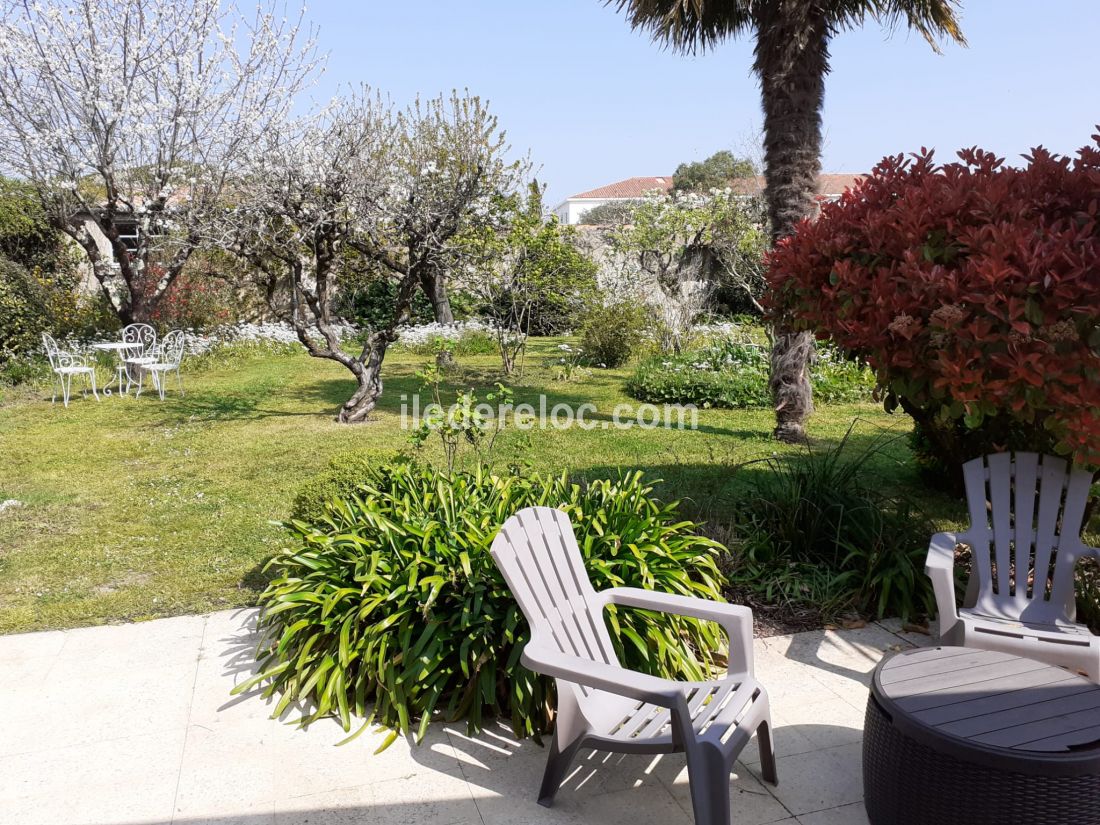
(120, 345)
(995, 702)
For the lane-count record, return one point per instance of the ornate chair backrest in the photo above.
(53, 353)
(171, 348)
(537, 552)
(1026, 514)
(142, 334)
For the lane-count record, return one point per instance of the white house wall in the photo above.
(572, 210)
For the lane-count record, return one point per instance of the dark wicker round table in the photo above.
(955, 735)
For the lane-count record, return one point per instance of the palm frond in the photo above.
(688, 26)
(691, 26)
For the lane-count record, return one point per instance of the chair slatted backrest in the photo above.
(1026, 515)
(142, 334)
(537, 552)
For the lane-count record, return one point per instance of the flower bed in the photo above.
(734, 374)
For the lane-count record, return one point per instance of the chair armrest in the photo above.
(600, 675)
(734, 619)
(940, 568)
(71, 359)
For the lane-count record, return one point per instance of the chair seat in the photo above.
(717, 709)
(157, 367)
(73, 370)
(1063, 632)
(141, 361)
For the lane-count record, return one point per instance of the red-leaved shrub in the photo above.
(971, 288)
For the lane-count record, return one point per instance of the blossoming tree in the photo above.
(527, 272)
(686, 244)
(129, 118)
(453, 159)
(360, 185)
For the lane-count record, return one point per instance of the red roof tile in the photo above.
(629, 188)
(827, 185)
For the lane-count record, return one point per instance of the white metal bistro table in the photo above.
(119, 349)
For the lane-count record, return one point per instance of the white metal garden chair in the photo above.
(1026, 515)
(166, 358)
(64, 366)
(605, 706)
(144, 339)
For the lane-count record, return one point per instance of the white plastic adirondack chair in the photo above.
(605, 706)
(1026, 514)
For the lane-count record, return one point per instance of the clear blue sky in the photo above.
(595, 102)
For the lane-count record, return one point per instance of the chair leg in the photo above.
(767, 753)
(67, 388)
(569, 730)
(53, 386)
(94, 391)
(709, 778)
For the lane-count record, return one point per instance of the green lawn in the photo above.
(138, 508)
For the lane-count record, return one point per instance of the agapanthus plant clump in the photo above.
(387, 607)
(973, 290)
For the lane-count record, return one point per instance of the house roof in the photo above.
(827, 185)
(629, 188)
(836, 183)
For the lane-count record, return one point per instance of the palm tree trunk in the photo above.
(792, 59)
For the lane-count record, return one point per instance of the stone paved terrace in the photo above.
(133, 723)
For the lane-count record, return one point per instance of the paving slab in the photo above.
(136, 725)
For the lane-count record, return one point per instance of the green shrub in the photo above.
(1088, 593)
(733, 374)
(32, 302)
(819, 528)
(24, 311)
(612, 332)
(33, 370)
(368, 301)
(391, 597)
(26, 236)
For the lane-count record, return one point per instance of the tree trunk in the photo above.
(431, 281)
(358, 408)
(792, 59)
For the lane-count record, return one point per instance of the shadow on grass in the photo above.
(258, 577)
(713, 488)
